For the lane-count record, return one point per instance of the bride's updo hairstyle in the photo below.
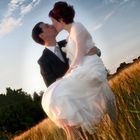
(64, 11)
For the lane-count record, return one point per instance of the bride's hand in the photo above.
(68, 71)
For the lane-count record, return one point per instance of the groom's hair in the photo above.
(64, 11)
(36, 32)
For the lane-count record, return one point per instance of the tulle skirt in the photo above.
(79, 98)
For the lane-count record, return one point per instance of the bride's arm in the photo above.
(80, 52)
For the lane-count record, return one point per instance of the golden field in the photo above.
(126, 87)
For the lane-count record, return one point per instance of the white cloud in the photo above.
(116, 1)
(27, 8)
(13, 6)
(100, 24)
(105, 19)
(123, 2)
(110, 1)
(19, 8)
(8, 25)
(108, 16)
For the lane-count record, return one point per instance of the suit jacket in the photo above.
(51, 67)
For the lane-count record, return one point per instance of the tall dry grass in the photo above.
(126, 87)
(45, 130)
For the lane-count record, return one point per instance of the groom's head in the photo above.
(43, 33)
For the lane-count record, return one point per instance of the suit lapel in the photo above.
(64, 55)
(63, 44)
(53, 56)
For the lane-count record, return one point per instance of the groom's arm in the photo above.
(46, 73)
(93, 51)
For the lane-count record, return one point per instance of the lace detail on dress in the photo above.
(79, 43)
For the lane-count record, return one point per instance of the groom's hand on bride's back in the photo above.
(93, 51)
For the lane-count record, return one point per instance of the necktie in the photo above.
(58, 53)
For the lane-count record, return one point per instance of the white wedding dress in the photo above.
(80, 97)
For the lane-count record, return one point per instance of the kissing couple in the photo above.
(78, 93)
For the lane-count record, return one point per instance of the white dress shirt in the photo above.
(51, 48)
(57, 53)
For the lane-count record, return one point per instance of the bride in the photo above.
(79, 99)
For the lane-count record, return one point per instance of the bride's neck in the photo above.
(67, 27)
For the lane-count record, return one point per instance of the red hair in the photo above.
(62, 10)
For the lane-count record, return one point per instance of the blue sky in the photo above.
(113, 24)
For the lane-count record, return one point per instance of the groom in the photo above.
(53, 62)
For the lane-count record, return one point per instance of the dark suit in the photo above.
(51, 67)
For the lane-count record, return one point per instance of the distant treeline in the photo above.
(19, 111)
(122, 66)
